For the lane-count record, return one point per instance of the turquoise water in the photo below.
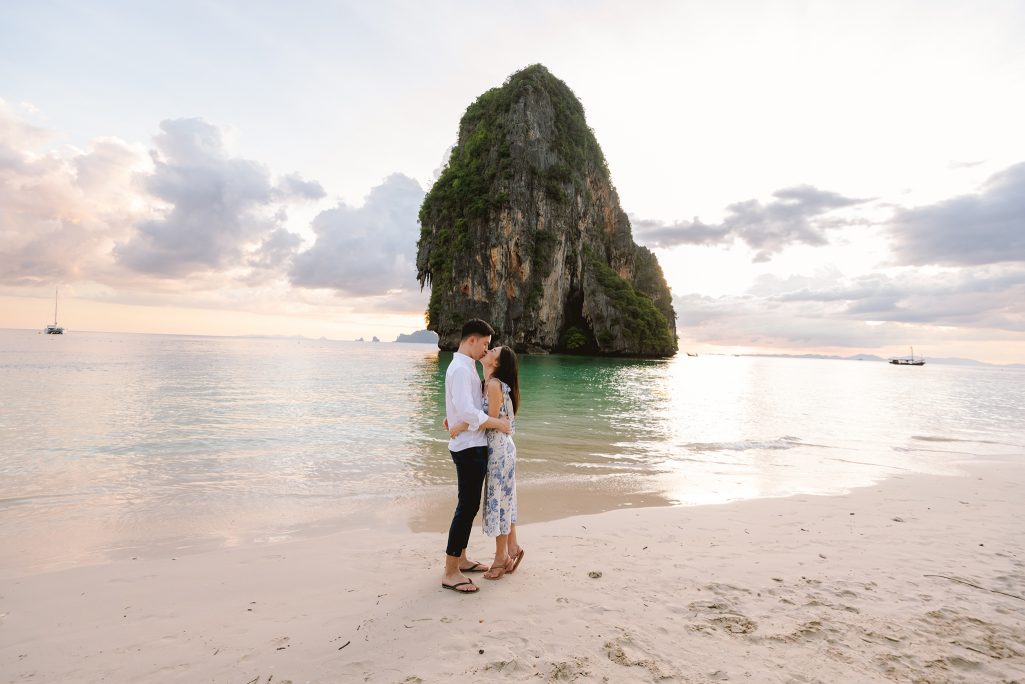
(115, 445)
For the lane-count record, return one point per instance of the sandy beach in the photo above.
(919, 578)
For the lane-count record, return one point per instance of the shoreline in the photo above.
(430, 510)
(805, 588)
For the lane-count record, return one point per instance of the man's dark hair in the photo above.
(476, 326)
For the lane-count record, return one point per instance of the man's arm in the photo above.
(466, 408)
(462, 396)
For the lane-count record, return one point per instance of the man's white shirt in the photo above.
(463, 401)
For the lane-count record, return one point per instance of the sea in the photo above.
(116, 446)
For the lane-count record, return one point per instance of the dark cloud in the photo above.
(219, 204)
(222, 208)
(829, 310)
(367, 250)
(273, 257)
(295, 186)
(658, 234)
(991, 298)
(796, 215)
(196, 217)
(984, 228)
(751, 320)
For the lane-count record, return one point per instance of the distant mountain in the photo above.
(419, 337)
(946, 361)
(856, 357)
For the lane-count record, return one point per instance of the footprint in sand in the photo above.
(568, 671)
(805, 632)
(735, 624)
(723, 618)
(624, 651)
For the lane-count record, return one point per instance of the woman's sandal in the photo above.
(500, 569)
(516, 561)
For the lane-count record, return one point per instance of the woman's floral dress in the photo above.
(500, 486)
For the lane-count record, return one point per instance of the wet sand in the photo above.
(919, 578)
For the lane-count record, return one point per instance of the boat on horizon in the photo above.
(53, 328)
(910, 361)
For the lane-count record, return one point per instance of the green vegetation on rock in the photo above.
(642, 320)
(470, 187)
(574, 339)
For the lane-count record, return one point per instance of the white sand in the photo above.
(786, 590)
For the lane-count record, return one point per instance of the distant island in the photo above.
(950, 361)
(418, 337)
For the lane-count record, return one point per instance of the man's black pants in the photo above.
(471, 468)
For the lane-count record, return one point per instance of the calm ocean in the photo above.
(118, 445)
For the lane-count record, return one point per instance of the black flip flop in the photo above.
(455, 587)
(476, 567)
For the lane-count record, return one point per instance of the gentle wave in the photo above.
(114, 441)
(781, 443)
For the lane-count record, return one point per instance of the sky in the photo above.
(815, 177)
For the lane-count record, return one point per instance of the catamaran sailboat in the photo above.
(911, 361)
(54, 329)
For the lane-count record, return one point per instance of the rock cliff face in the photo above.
(524, 230)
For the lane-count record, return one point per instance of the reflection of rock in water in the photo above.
(580, 437)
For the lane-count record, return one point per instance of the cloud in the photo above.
(188, 216)
(983, 228)
(992, 298)
(295, 187)
(658, 234)
(750, 320)
(797, 215)
(273, 257)
(62, 209)
(828, 310)
(221, 207)
(367, 250)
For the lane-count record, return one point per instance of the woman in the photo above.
(501, 400)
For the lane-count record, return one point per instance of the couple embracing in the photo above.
(481, 423)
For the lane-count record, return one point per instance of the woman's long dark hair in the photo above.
(508, 372)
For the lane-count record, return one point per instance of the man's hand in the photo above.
(456, 430)
(504, 425)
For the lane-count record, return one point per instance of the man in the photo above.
(463, 400)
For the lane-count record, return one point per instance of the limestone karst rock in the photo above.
(524, 229)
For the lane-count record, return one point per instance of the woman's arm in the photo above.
(500, 424)
(495, 398)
